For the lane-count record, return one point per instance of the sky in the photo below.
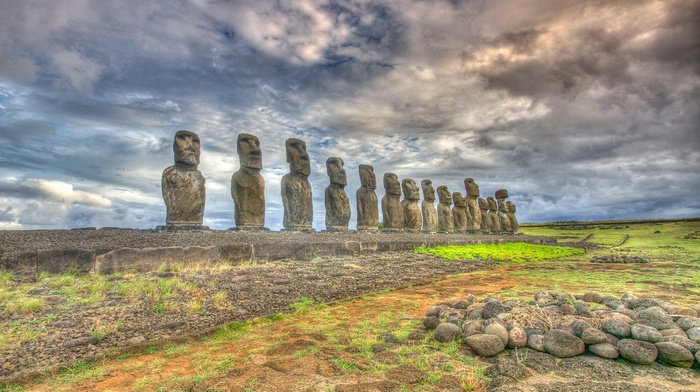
(583, 110)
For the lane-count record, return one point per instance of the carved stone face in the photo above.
(410, 189)
(392, 184)
(186, 148)
(458, 199)
(492, 203)
(472, 188)
(502, 206)
(428, 190)
(511, 206)
(444, 194)
(367, 177)
(249, 154)
(334, 167)
(483, 204)
(297, 157)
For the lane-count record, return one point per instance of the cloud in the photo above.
(51, 190)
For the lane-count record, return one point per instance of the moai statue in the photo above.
(296, 189)
(430, 221)
(391, 203)
(183, 186)
(367, 206)
(459, 211)
(337, 202)
(248, 186)
(485, 218)
(473, 206)
(446, 221)
(493, 215)
(511, 217)
(412, 218)
(501, 196)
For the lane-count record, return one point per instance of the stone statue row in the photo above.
(184, 194)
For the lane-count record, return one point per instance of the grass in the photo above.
(517, 252)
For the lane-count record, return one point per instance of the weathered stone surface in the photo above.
(511, 217)
(446, 223)
(604, 350)
(430, 220)
(447, 332)
(674, 354)
(593, 297)
(149, 259)
(493, 214)
(497, 330)
(485, 218)
(392, 210)
(616, 327)
(685, 342)
(517, 338)
(248, 186)
(474, 212)
(637, 351)
(694, 334)
(503, 216)
(460, 212)
(337, 202)
(367, 204)
(592, 336)
(183, 185)
(431, 322)
(413, 219)
(472, 328)
(687, 323)
(645, 333)
(562, 344)
(84, 341)
(492, 309)
(536, 342)
(655, 317)
(296, 189)
(485, 345)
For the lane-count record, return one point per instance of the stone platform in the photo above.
(110, 250)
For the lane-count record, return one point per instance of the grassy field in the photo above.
(335, 344)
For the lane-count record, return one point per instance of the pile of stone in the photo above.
(611, 258)
(640, 330)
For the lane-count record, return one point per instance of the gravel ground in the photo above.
(66, 326)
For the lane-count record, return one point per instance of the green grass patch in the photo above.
(517, 252)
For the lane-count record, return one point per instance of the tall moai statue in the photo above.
(473, 206)
(183, 186)
(296, 189)
(367, 205)
(511, 217)
(501, 196)
(392, 210)
(430, 221)
(337, 202)
(412, 218)
(493, 215)
(485, 218)
(460, 211)
(248, 186)
(446, 221)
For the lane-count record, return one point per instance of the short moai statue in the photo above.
(337, 202)
(248, 186)
(413, 220)
(183, 186)
(501, 196)
(493, 215)
(485, 218)
(459, 211)
(511, 217)
(474, 213)
(446, 221)
(296, 189)
(392, 210)
(430, 222)
(367, 205)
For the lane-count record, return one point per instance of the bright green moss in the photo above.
(518, 252)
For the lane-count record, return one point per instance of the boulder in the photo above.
(593, 297)
(604, 350)
(485, 345)
(567, 310)
(447, 332)
(637, 351)
(517, 338)
(579, 326)
(592, 336)
(497, 330)
(431, 322)
(536, 342)
(562, 344)
(694, 334)
(616, 327)
(655, 317)
(472, 328)
(492, 309)
(685, 342)
(687, 323)
(646, 333)
(674, 354)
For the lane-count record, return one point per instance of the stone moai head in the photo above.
(297, 157)
(459, 200)
(367, 178)
(428, 190)
(493, 206)
(483, 204)
(502, 206)
(335, 170)
(472, 188)
(249, 153)
(187, 149)
(444, 195)
(502, 194)
(410, 189)
(511, 206)
(392, 184)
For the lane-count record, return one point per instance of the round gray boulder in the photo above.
(593, 297)
(637, 351)
(674, 354)
(579, 326)
(562, 344)
(694, 334)
(472, 328)
(592, 336)
(616, 327)
(604, 350)
(492, 309)
(567, 310)
(536, 342)
(688, 322)
(431, 322)
(517, 337)
(655, 317)
(497, 330)
(646, 333)
(485, 345)
(685, 342)
(447, 332)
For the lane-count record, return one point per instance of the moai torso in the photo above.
(337, 203)
(511, 217)
(413, 220)
(493, 214)
(367, 205)
(183, 185)
(474, 212)
(485, 219)
(428, 210)
(248, 186)
(459, 211)
(296, 189)
(392, 210)
(446, 222)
